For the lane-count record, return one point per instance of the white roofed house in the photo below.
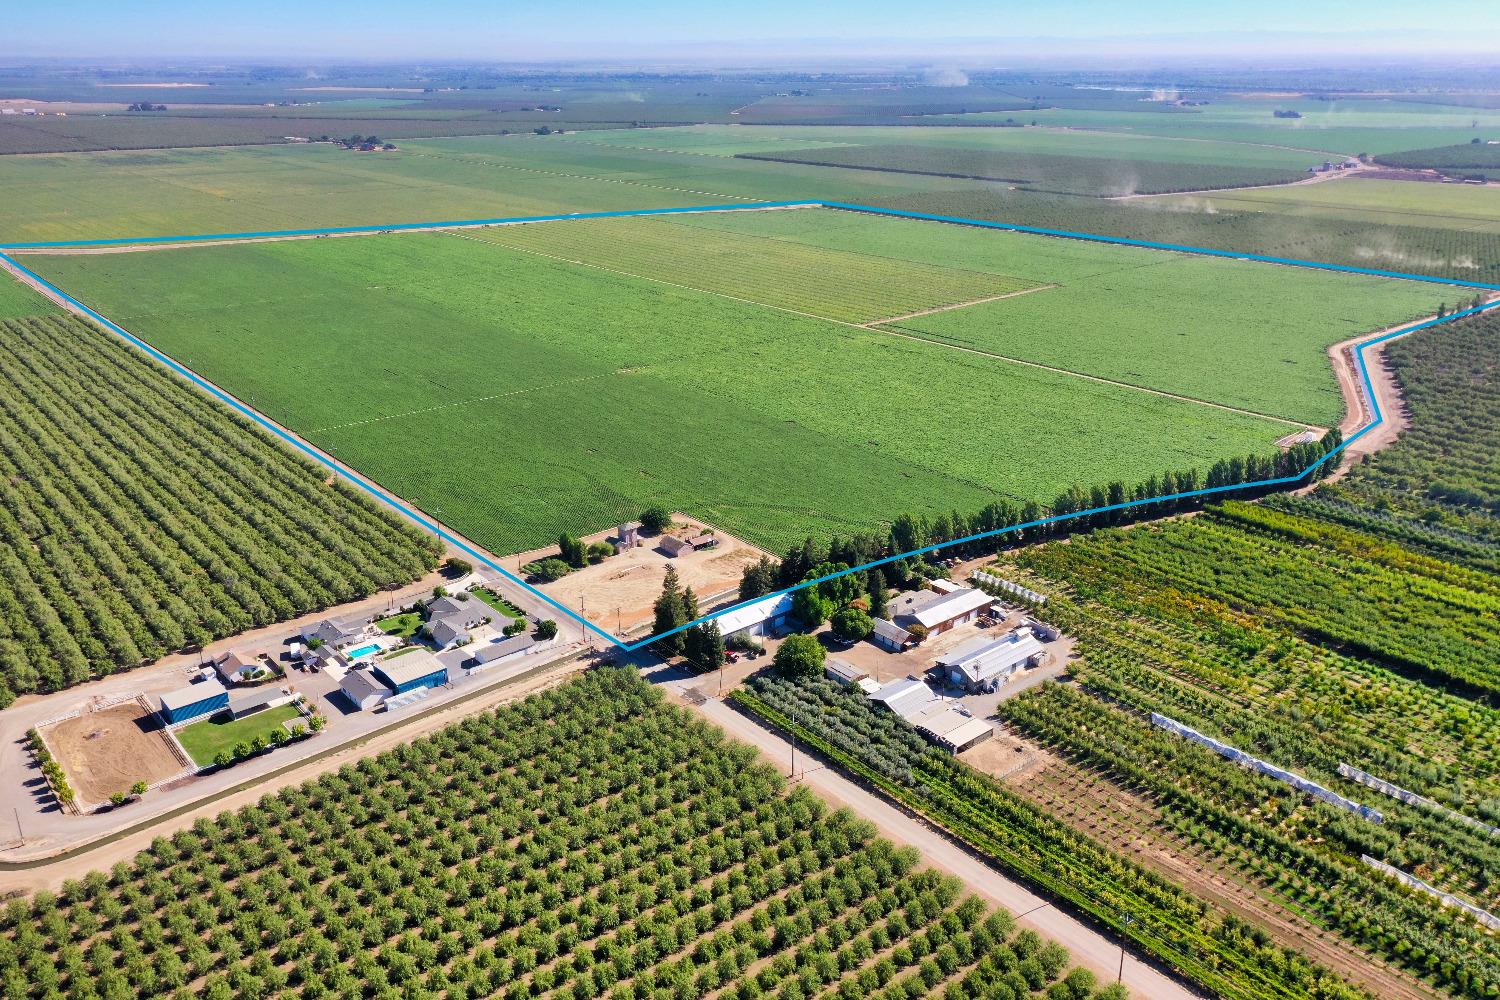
(906, 697)
(765, 615)
(363, 689)
(983, 663)
(937, 612)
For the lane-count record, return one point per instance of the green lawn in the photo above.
(403, 626)
(497, 602)
(205, 740)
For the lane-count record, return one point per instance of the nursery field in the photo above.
(770, 425)
(1239, 333)
(591, 841)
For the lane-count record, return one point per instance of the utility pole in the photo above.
(1120, 976)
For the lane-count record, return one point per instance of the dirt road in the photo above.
(1089, 948)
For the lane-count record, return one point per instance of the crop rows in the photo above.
(588, 842)
(834, 284)
(1263, 826)
(1204, 945)
(1412, 247)
(1330, 583)
(1089, 175)
(138, 518)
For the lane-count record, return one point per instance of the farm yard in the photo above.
(770, 425)
(106, 751)
(588, 841)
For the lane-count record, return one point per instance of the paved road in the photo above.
(1089, 948)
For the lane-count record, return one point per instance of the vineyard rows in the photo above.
(1204, 945)
(591, 841)
(138, 518)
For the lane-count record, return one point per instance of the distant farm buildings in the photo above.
(675, 546)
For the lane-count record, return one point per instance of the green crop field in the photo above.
(1464, 207)
(514, 395)
(839, 284)
(1234, 332)
(17, 300)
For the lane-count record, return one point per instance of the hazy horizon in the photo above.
(775, 32)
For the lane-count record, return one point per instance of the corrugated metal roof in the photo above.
(410, 666)
(905, 697)
(955, 605)
(754, 614)
(185, 696)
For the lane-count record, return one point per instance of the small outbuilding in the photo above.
(193, 702)
(890, 636)
(675, 546)
(844, 673)
(259, 701)
(494, 653)
(363, 690)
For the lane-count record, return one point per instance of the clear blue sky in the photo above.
(593, 29)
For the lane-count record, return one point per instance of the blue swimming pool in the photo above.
(355, 654)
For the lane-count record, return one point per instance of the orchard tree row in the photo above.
(138, 518)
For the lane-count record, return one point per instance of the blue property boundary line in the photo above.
(419, 519)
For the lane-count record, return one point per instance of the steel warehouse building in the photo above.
(193, 702)
(411, 671)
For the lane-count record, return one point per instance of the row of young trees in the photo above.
(1205, 945)
(812, 560)
(138, 518)
(1308, 853)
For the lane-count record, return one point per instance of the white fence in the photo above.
(1447, 898)
(1240, 757)
(1412, 798)
(1008, 586)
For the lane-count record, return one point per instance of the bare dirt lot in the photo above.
(109, 750)
(618, 593)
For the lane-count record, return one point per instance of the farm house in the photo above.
(981, 662)
(936, 612)
(193, 702)
(409, 671)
